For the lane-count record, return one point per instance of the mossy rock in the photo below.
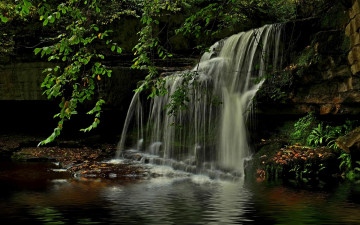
(26, 157)
(331, 42)
(336, 17)
(351, 140)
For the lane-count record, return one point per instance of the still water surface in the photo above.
(30, 194)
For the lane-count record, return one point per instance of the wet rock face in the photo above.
(325, 73)
(352, 31)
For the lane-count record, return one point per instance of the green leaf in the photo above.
(45, 22)
(4, 19)
(119, 50)
(25, 7)
(27, 3)
(51, 18)
(37, 50)
(113, 48)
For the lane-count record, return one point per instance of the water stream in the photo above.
(211, 132)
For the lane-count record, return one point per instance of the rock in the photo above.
(355, 9)
(348, 141)
(355, 68)
(326, 109)
(355, 39)
(108, 170)
(353, 26)
(354, 55)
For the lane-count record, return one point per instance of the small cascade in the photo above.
(211, 132)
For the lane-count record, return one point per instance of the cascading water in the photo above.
(211, 132)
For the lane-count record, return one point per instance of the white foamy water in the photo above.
(212, 133)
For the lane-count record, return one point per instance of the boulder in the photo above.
(351, 140)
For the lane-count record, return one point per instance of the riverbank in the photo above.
(86, 157)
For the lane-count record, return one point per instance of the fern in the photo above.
(317, 136)
(345, 164)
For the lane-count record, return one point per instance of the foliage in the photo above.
(276, 85)
(78, 38)
(350, 169)
(302, 127)
(326, 136)
(301, 163)
(223, 14)
(78, 68)
(78, 62)
(345, 164)
(310, 8)
(148, 44)
(307, 58)
(179, 97)
(317, 134)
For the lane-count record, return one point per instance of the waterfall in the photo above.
(211, 132)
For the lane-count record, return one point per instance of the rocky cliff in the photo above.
(323, 76)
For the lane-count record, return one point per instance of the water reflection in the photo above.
(179, 199)
(289, 205)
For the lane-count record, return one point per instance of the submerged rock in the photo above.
(108, 170)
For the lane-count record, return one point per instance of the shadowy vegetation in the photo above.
(77, 36)
(309, 152)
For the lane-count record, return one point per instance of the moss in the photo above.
(302, 129)
(305, 56)
(336, 17)
(276, 87)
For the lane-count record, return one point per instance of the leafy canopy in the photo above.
(79, 38)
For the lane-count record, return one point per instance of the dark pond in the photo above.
(30, 194)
